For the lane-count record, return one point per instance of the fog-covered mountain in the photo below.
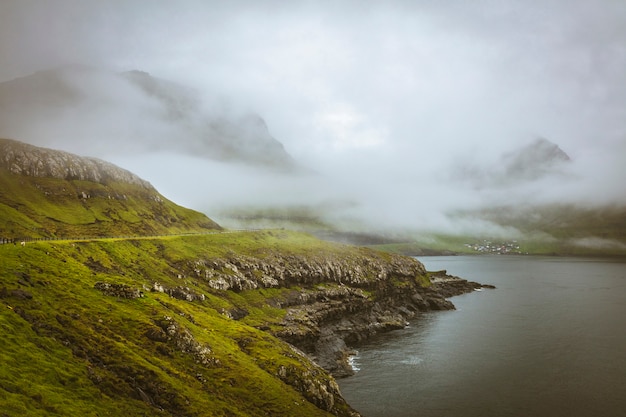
(534, 161)
(103, 113)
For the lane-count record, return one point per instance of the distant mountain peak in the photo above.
(86, 109)
(538, 159)
(534, 160)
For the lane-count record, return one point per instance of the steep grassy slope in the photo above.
(195, 325)
(45, 207)
(80, 339)
(48, 193)
(185, 324)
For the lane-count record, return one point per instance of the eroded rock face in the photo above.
(171, 331)
(240, 272)
(118, 290)
(336, 302)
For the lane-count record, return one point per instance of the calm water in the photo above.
(549, 341)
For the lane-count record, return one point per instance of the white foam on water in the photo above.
(353, 361)
(412, 360)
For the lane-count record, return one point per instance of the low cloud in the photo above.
(401, 111)
(598, 243)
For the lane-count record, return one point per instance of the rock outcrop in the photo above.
(21, 158)
(334, 302)
(118, 290)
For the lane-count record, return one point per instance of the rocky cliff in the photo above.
(244, 323)
(238, 323)
(335, 302)
(24, 159)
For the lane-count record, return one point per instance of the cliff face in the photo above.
(238, 323)
(335, 302)
(198, 325)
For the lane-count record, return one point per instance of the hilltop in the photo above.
(50, 193)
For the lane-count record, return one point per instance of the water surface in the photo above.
(549, 341)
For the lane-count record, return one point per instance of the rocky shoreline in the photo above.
(339, 302)
(323, 300)
(333, 301)
(330, 324)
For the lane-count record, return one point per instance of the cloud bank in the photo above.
(386, 102)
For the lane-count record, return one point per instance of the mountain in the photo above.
(556, 227)
(566, 229)
(225, 323)
(93, 111)
(537, 160)
(50, 193)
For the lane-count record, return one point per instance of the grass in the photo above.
(32, 207)
(70, 347)
(428, 244)
(69, 350)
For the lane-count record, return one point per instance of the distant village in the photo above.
(500, 248)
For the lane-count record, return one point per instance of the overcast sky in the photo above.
(398, 91)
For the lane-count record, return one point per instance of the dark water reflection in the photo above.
(550, 341)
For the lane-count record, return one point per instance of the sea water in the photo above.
(549, 341)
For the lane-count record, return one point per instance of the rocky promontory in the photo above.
(335, 302)
(238, 323)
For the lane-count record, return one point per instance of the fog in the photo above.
(400, 112)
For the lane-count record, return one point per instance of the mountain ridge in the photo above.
(50, 193)
(132, 111)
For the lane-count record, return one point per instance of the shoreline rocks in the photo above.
(334, 300)
(328, 329)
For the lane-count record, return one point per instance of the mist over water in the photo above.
(548, 341)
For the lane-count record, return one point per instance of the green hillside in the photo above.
(91, 329)
(33, 207)
(565, 230)
(102, 317)
(97, 323)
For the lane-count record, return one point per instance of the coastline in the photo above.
(330, 331)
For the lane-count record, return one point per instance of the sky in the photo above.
(392, 103)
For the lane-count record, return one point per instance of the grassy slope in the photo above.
(71, 350)
(550, 230)
(46, 207)
(558, 229)
(428, 245)
(570, 230)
